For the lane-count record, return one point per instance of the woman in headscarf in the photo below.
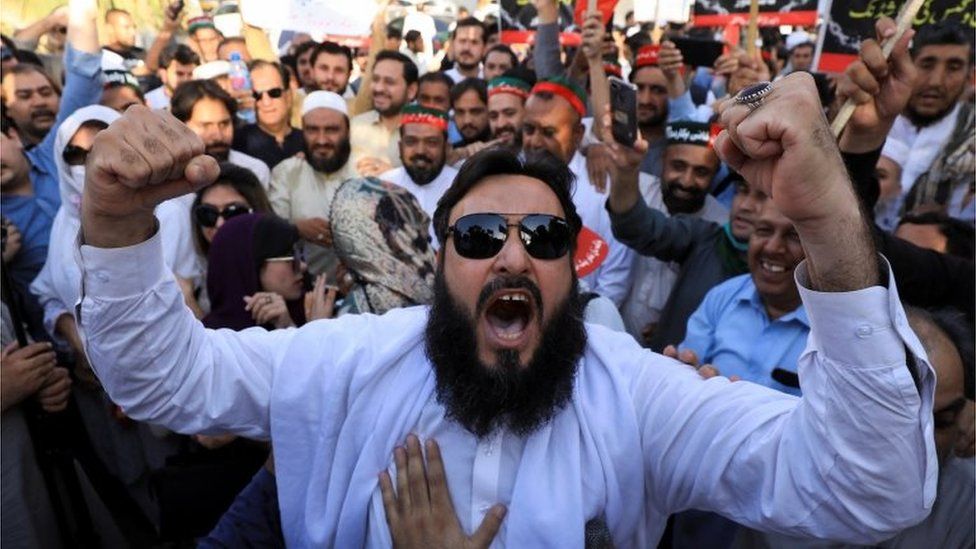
(380, 234)
(128, 451)
(255, 274)
(236, 191)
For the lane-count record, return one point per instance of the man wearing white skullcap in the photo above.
(302, 188)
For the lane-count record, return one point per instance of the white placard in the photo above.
(315, 17)
(668, 11)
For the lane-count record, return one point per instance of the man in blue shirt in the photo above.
(29, 195)
(754, 325)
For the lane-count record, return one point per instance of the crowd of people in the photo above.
(335, 179)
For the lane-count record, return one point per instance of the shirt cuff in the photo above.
(118, 273)
(855, 327)
(80, 62)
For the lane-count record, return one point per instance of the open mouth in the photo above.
(509, 315)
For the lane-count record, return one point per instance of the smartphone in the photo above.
(697, 52)
(623, 111)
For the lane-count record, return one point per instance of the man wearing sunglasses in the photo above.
(552, 124)
(271, 139)
(559, 421)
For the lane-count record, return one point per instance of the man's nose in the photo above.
(513, 259)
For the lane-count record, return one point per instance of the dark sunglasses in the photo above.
(74, 155)
(273, 93)
(207, 214)
(297, 258)
(482, 235)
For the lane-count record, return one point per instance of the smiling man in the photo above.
(375, 132)
(558, 420)
(689, 165)
(506, 108)
(271, 138)
(423, 151)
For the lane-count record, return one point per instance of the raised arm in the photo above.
(853, 460)
(171, 22)
(153, 357)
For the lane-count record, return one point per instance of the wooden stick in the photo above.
(752, 34)
(908, 12)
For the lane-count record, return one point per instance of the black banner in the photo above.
(853, 20)
(714, 13)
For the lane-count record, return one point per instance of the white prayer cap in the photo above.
(324, 100)
(213, 69)
(796, 38)
(896, 150)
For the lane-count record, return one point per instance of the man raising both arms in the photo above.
(559, 421)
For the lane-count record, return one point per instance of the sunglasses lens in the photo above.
(479, 236)
(74, 156)
(206, 215)
(234, 210)
(545, 236)
(275, 93)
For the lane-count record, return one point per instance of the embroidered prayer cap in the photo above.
(565, 88)
(417, 114)
(324, 100)
(201, 22)
(509, 84)
(114, 78)
(692, 133)
(212, 69)
(647, 56)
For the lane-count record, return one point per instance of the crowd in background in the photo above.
(333, 157)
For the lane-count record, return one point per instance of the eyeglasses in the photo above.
(208, 214)
(482, 235)
(297, 258)
(74, 155)
(273, 93)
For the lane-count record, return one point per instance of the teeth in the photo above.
(514, 297)
(773, 268)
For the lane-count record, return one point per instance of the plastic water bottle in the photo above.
(240, 80)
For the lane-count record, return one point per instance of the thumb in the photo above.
(198, 173)
(486, 533)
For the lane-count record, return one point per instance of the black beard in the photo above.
(423, 176)
(517, 136)
(485, 135)
(483, 398)
(220, 151)
(923, 121)
(677, 205)
(655, 121)
(332, 163)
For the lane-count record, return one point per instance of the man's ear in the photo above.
(412, 91)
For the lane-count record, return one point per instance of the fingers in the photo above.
(874, 59)
(486, 533)
(708, 371)
(402, 480)
(670, 351)
(688, 357)
(419, 495)
(729, 152)
(440, 496)
(389, 502)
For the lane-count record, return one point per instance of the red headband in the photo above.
(564, 92)
(424, 118)
(508, 88)
(647, 56)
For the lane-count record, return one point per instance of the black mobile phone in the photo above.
(623, 111)
(697, 52)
